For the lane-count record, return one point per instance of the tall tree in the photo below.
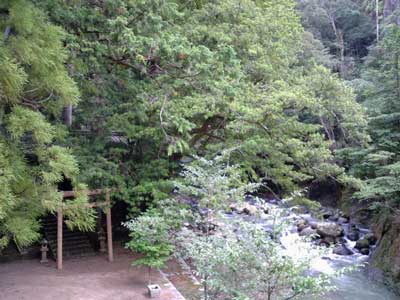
(163, 79)
(380, 92)
(343, 26)
(34, 86)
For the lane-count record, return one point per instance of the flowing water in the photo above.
(353, 285)
(357, 286)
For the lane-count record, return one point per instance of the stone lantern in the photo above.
(102, 240)
(44, 249)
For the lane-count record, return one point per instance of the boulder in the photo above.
(362, 243)
(328, 229)
(342, 250)
(364, 251)
(386, 256)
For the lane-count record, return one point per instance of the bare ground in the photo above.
(92, 278)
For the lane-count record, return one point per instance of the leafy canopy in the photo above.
(34, 86)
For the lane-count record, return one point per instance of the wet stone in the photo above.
(342, 250)
(307, 232)
(362, 244)
(364, 251)
(371, 238)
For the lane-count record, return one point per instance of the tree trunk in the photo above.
(397, 75)
(339, 40)
(6, 33)
(341, 48)
(67, 115)
(377, 19)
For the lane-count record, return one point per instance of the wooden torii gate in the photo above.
(106, 203)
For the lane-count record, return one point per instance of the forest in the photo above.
(186, 109)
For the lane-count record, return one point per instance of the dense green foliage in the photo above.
(285, 85)
(164, 79)
(150, 237)
(376, 81)
(283, 93)
(380, 92)
(34, 86)
(233, 259)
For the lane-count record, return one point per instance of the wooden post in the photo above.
(109, 228)
(59, 238)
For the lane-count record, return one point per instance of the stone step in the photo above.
(66, 235)
(68, 238)
(72, 250)
(75, 243)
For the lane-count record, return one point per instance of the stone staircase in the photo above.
(75, 243)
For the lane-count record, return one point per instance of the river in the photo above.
(354, 285)
(357, 286)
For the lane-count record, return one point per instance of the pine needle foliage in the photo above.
(378, 164)
(34, 86)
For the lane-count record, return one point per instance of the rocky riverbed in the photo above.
(348, 244)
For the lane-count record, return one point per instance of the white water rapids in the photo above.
(354, 285)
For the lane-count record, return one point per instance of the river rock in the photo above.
(301, 224)
(308, 231)
(328, 240)
(333, 218)
(299, 210)
(340, 240)
(364, 251)
(234, 207)
(265, 209)
(362, 243)
(327, 214)
(249, 209)
(328, 229)
(371, 238)
(343, 220)
(342, 250)
(353, 235)
(313, 224)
